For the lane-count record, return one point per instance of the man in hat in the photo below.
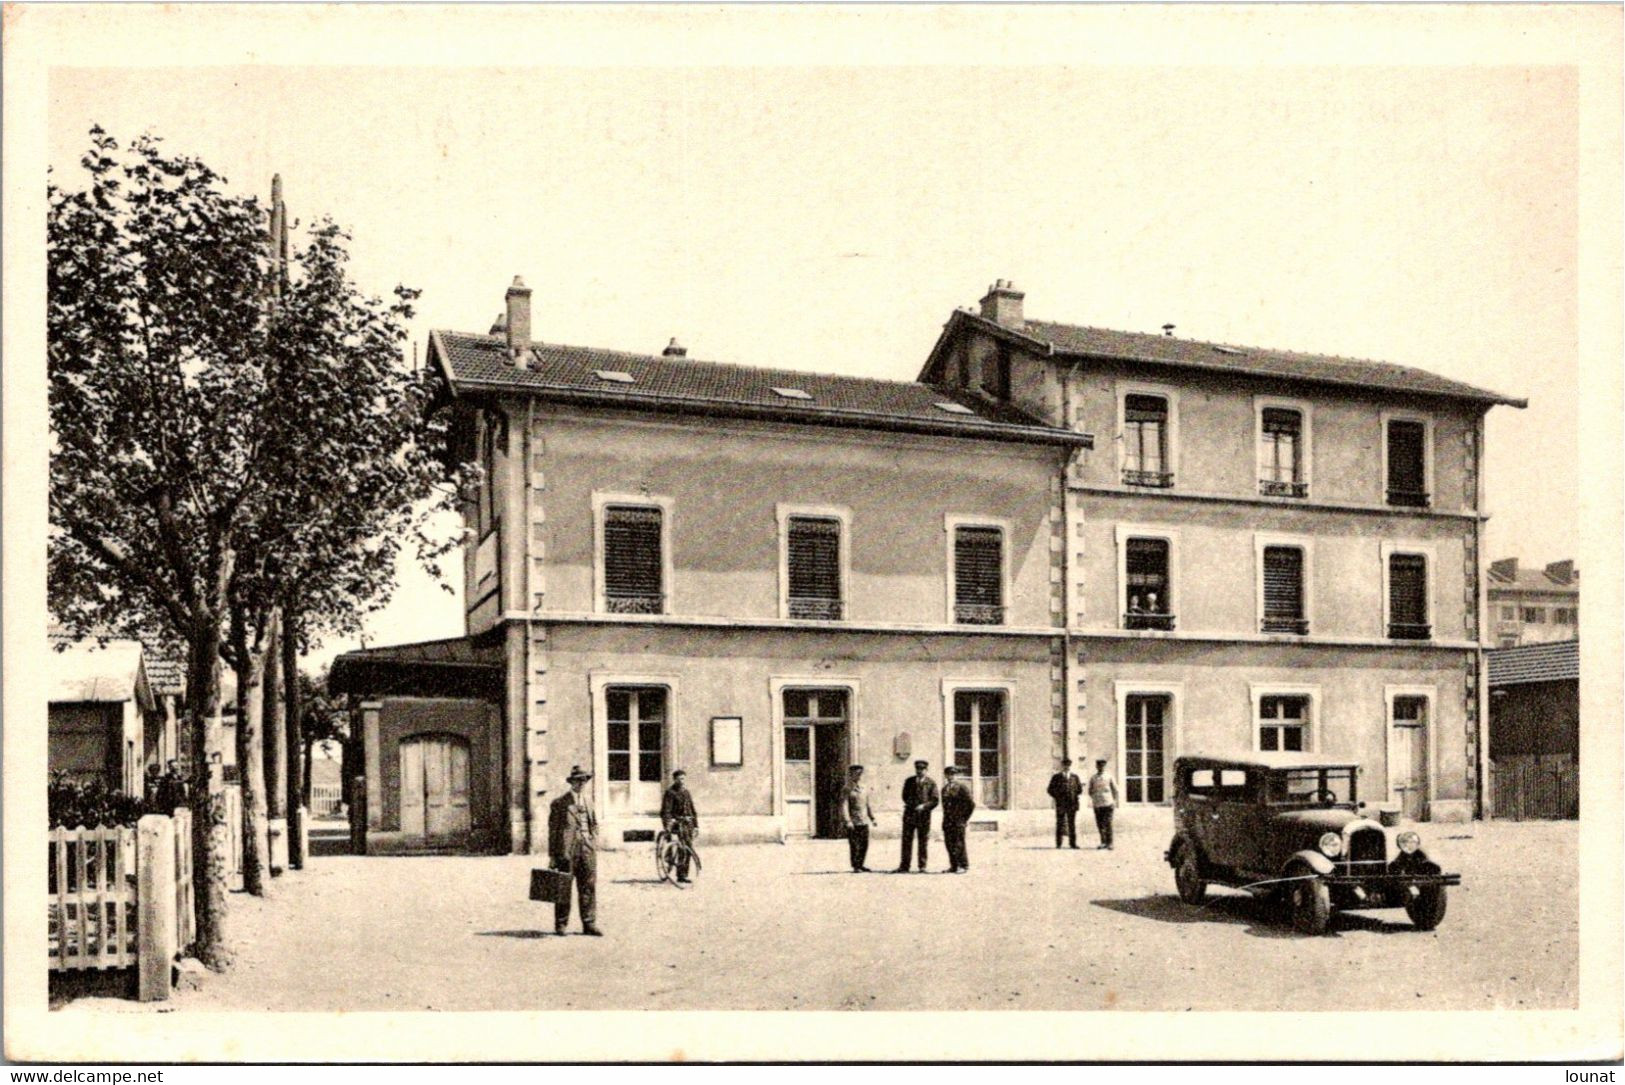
(856, 816)
(572, 845)
(919, 799)
(677, 815)
(1064, 789)
(957, 806)
(1103, 796)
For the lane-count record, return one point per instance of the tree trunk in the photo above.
(209, 839)
(294, 743)
(250, 668)
(276, 755)
(305, 774)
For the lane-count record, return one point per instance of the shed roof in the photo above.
(1554, 661)
(651, 382)
(83, 671)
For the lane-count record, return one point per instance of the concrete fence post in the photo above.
(155, 905)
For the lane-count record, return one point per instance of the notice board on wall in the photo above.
(727, 740)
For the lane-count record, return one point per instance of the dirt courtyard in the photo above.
(772, 927)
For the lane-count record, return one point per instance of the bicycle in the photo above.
(670, 848)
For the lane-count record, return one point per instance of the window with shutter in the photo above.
(1145, 441)
(978, 575)
(1280, 453)
(1407, 470)
(1147, 595)
(1407, 597)
(1283, 590)
(633, 563)
(814, 561)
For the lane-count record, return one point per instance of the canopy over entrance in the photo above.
(460, 667)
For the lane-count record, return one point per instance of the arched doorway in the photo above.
(434, 786)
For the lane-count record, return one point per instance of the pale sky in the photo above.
(831, 218)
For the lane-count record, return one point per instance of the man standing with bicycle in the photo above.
(677, 815)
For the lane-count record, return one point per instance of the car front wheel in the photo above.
(1426, 909)
(1311, 902)
(1188, 876)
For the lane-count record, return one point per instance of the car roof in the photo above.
(1269, 760)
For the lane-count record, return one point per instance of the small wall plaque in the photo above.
(727, 741)
(902, 744)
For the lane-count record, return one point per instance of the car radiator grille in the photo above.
(1368, 846)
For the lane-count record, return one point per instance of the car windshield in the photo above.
(1312, 787)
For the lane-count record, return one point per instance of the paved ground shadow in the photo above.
(1262, 917)
(517, 934)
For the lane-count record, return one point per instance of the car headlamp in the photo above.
(1408, 842)
(1331, 845)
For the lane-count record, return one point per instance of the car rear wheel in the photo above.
(1426, 909)
(1310, 900)
(1188, 876)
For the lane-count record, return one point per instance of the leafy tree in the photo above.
(217, 418)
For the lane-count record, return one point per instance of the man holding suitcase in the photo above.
(572, 845)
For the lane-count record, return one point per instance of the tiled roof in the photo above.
(669, 383)
(1554, 661)
(166, 674)
(1254, 361)
(1532, 580)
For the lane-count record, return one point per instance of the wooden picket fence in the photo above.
(91, 878)
(1530, 787)
(326, 800)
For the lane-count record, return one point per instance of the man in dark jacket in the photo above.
(678, 816)
(957, 806)
(1064, 788)
(919, 799)
(572, 845)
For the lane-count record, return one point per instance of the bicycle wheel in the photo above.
(665, 857)
(693, 864)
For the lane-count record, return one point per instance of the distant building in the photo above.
(1535, 729)
(112, 714)
(1534, 606)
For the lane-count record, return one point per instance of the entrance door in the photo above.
(434, 786)
(637, 748)
(1408, 756)
(1144, 734)
(815, 760)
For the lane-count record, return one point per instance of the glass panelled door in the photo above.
(815, 759)
(1144, 743)
(979, 737)
(637, 747)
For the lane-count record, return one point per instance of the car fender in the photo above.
(1180, 841)
(1314, 860)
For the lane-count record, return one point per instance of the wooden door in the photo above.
(798, 780)
(434, 787)
(1408, 757)
(412, 812)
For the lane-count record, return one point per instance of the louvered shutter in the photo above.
(1283, 583)
(632, 559)
(978, 566)
(815, 559)
(1406, 443)
(1407, 595)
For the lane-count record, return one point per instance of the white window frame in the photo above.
(1428, 553)
(1306, 543)
(1306, 436)
(951, 522)
(1311, 726)
(1171, 396)
(601, 500)
(1004, 686)
(823, 512)
(1431, 695)
(776, 685)
(1427, 455)
(1172, 727)
(598, 683)
(1124, 533)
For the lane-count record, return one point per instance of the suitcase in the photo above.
(549, 886)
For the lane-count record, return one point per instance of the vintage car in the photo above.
(1290, 826)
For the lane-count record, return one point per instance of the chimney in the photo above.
(1505, 569)
(1562, 571)
(1002, 304)
(674, 349)
(517, 325)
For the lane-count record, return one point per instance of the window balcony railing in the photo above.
(1271, 487)
(640, 603)
(1298, 626)
(978, 614)
(1409, 631)
(1162, 480)
(825, 610)
(1410, 499)
(1143, 620)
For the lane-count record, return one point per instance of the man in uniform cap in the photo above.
(677, 815)
(919, 799)
(572, 845)
(1064, 788)
(957, 806)
(856, 816)
(1103, 797)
